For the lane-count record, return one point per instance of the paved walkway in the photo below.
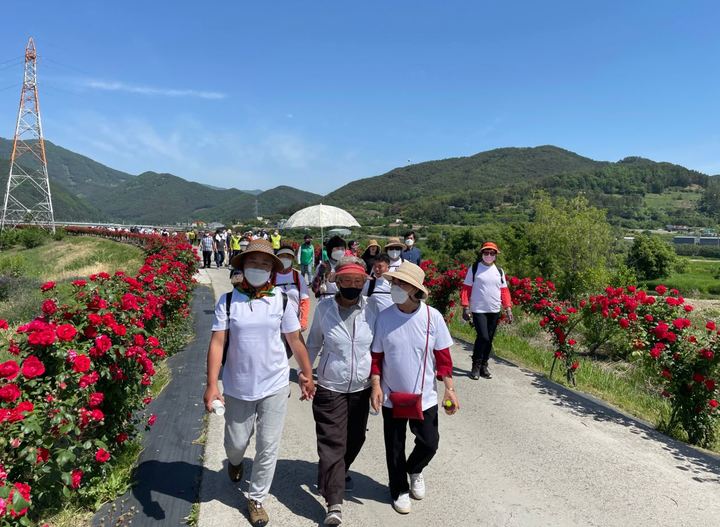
(521, 452)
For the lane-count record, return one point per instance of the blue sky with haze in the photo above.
(316, 94)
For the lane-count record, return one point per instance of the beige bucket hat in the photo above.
(257, 246)
(411, 274)
(394, 242)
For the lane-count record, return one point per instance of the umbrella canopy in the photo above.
(321, 216)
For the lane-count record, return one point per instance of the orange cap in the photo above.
(490, 245)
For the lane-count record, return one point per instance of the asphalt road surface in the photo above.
(520, 452)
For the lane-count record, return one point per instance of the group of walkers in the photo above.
(224, 244)
(378, 345)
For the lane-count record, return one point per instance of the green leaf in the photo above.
(64, 457)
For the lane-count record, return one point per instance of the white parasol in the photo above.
(321, 216)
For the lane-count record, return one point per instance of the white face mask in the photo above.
(337, 254)
(257, 277)
(409, 242)
(286, 263)
(394, 254)
(398, 294)
(488, 258)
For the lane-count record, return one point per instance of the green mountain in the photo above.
(496, 185)
(79, 175)
(66, 205)
(85, 190)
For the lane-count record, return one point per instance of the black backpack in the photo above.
(228, 302)
(475, 268)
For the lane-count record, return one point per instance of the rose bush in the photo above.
(682, 359)
(79, 375)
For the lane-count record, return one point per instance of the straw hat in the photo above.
(373, 243)
(394, 242)
(411, 274)
(257, 246)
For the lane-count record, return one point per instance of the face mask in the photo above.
(286, 263)
(409, 242)
(257, 277)
(350, 293)
(398, 294)
(394, 254)
(488, 258)
(337, 254)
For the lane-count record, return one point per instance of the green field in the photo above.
(22, 270)
(699, 279)
(675, 199)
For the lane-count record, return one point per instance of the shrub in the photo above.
(79, 377)
(32, 237)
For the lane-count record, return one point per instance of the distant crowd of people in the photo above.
(378, 345)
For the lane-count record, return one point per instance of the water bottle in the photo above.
(218, 407)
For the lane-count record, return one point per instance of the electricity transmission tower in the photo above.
(27, 198)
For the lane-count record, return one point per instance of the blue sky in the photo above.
(316, 94)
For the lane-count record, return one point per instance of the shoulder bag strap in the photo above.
(228, 302)
(427, 342)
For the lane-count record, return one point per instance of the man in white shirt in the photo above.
(394, 249)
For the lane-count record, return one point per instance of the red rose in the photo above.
(575, 365)
(698, 377)
(79, 283)
(76, 478)
(9, 369)
(624, 323)
(81, 363)
(661, 290)
(713, 403)
(47, 286)
(89, 379)
(3, 323)
(96, 399)
(102, 455)
(121, 438)
(49, 306)
(9, 393)
(151, 420)
(103, 343)
(710, 326)
(66, 332)
(710, 384)
(43, 454)
(32, 367)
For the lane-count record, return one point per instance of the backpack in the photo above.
(371, 288)
(228, 303)
(475, 268)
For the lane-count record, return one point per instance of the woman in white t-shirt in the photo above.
(293, 284)
(411, 348)
(255, 374)
(484, 296)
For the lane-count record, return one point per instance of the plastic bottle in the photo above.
(218, 407)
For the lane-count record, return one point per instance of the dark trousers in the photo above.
(485, 326)
(219, 258)
(207, 258)
(427, 438)
(340, 426)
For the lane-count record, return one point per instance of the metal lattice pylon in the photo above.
(27, 198)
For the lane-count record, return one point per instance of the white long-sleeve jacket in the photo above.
(344, 364)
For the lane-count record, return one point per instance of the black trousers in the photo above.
(427, 438)
(340, 426)
(485, 326)
(207, 258)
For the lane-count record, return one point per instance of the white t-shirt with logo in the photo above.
(485, 296)
(380, 299)
(286, 282)
(401, 337)
(256, 365)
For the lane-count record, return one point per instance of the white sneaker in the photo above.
(402, 504)
(417, 486)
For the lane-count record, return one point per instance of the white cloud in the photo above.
(149, 90)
